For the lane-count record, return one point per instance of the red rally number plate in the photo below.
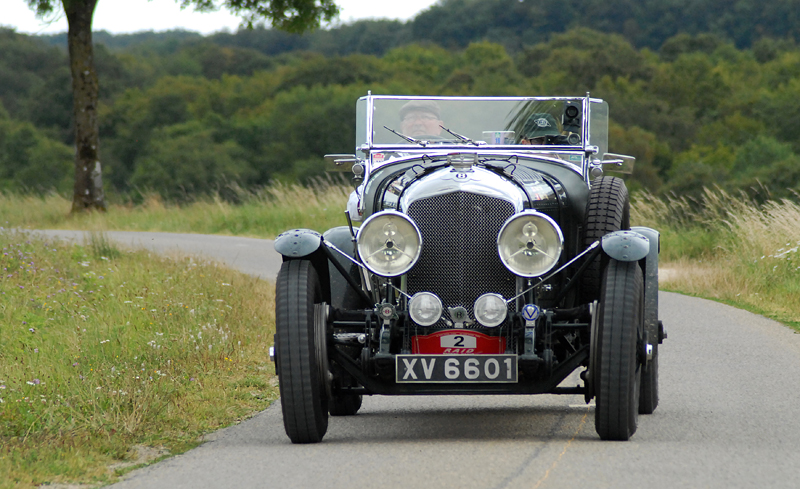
(458, 342)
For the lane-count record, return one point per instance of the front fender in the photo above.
(306, 244)
(651, 283)
(626, 245)
(298, 243)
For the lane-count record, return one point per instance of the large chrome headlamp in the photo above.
(389, 243)
(530, 243)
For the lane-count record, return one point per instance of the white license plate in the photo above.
(456, 368)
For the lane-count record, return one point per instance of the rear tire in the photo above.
(620, 328)
(345, 405)
(607, 210)
(648, 398)
(300, 346)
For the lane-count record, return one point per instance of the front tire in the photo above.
(300, 348)
(620, 328)
(607, 210)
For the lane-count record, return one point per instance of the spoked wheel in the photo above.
(301, 349)
(607, 210)
(618, 369)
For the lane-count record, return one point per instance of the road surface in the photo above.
(730, 391)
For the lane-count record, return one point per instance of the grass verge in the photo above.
(104, 353)
(264, 213)
(730, 249)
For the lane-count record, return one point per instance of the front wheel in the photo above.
(620, 329)
(301, 352)
(607, 210)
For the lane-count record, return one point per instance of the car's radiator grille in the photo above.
(459, 260)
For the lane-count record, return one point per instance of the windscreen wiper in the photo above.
(459, 136)
(408, 138)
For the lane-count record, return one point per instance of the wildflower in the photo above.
(31, 330)
(75, 364)
(34, 382)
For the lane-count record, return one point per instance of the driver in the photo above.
(420, 118)
(538, 127)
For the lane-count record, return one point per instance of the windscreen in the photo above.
(477, 121)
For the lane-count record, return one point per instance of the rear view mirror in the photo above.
(618, 163)
(340, 162)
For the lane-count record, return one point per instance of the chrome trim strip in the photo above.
(476, 180)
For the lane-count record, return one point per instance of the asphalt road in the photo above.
(730, 388)
(253, 256)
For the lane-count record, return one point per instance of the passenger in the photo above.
(538, 127)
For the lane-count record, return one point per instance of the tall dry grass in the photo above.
(729, 247)
(263, 212)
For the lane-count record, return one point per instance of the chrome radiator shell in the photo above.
(459, 214)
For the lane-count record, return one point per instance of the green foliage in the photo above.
(583, 57)
(291, 133)
(30, 161)
(181, 113)
(420, 66)
(26, 66)
(318, 70)
(199, 162)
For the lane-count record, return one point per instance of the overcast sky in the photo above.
(123, 16)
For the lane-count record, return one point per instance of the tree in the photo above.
(290, 15)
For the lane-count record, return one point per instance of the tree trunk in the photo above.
(88, 191)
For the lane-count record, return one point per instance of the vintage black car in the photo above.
(493, 256)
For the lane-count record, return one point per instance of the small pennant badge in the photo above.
(530, 312)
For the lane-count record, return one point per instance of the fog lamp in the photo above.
(425, 308)
(491, 310)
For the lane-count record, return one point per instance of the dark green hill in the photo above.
(511, 23)
(703, 93)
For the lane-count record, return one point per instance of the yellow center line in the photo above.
(564, 451)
